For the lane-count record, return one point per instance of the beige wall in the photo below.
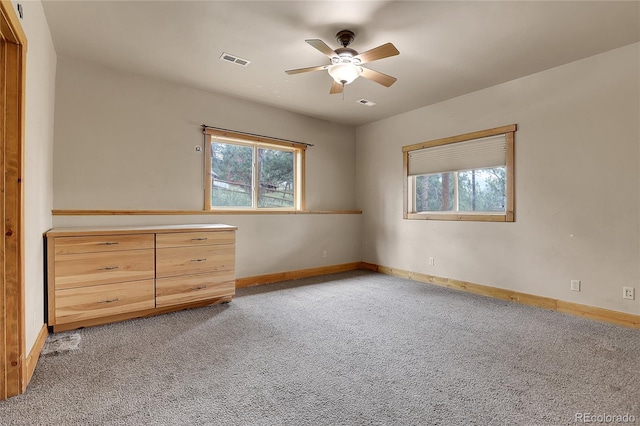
(38, 160)
(577, 185)
(128, 142)
(265, 244)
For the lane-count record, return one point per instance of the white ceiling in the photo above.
(447, 48)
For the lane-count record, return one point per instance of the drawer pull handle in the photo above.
(108, 268)
(109, 300)
(198, 260)
(199, 239)
(108, 243)
(200, 287)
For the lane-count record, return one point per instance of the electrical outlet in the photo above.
(628, 293)
(324, 253)
(575, 285)
(432, 261)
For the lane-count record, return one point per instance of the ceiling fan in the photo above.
(346, 63)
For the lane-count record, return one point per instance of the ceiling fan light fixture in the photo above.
(344, 73)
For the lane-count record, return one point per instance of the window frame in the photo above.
(507, 216)
(255, 142)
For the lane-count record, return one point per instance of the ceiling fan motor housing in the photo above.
(346, 55)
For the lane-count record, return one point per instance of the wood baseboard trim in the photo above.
(585, 311)
(34, 354)
(294, 275)
(599, 314)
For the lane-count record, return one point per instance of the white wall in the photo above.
(577, 185)
(123, 141)
(38, 160)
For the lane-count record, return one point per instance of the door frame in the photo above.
(13, 53)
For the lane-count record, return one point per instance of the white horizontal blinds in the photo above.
(468, 155)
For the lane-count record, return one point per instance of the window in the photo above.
(466, 177)
(247, 172)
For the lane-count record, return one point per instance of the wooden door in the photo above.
(12, 81)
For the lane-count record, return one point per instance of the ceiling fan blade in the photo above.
(376, 53)
(322, 47)
(308, 69)
(336, 88)
(378, 77)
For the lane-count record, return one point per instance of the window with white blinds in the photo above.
(465, 177)
(474, 154)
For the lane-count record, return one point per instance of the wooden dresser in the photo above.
(101, 275)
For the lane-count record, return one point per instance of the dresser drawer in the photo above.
(192, 288)
(194, 260)
(194, 239)
(87, 269)
(102, 243)
(103, 300)
(102, 275)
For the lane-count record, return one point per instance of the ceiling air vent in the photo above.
(234, 59)
(366, 102)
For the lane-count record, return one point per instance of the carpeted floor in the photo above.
(355, 348)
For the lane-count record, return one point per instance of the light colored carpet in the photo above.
(355, 348)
